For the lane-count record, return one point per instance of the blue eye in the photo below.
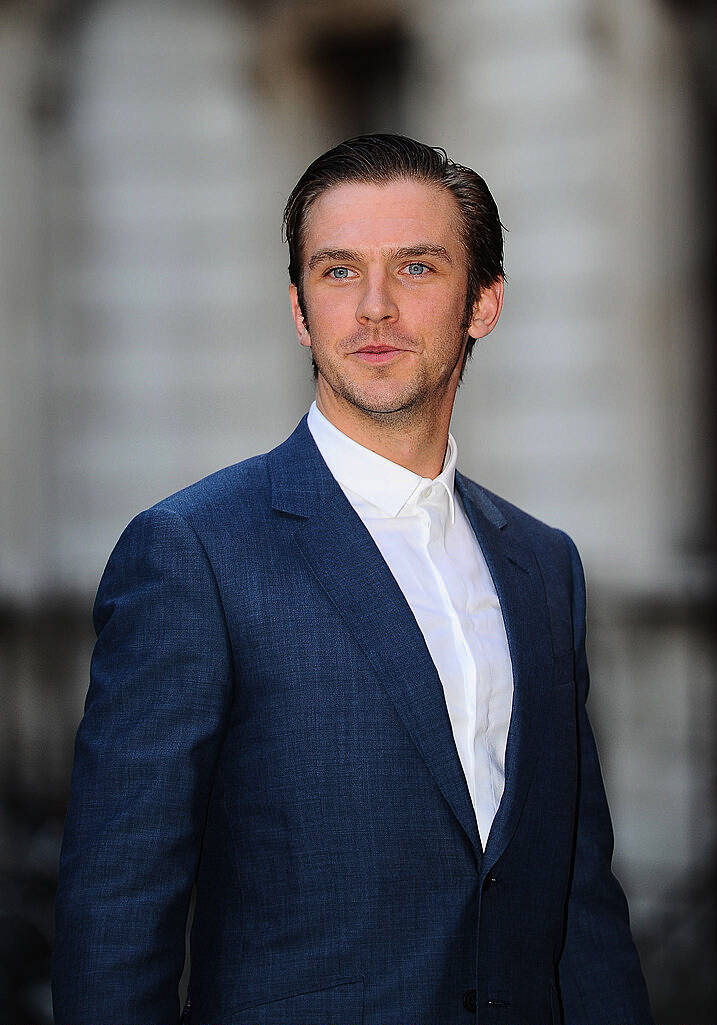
(417, 269)
(339, 273)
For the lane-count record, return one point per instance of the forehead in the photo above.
(357, 215)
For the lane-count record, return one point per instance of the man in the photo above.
(340, 688)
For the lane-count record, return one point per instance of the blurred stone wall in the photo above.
(147, 150)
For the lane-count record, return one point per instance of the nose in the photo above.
(376, 304)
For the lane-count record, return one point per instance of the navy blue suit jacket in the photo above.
(264, 721)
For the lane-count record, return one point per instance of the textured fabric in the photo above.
(264, 721)
(431, 550)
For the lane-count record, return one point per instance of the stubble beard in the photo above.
(412, 403)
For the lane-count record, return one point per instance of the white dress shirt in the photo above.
(422, 532)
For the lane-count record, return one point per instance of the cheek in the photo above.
(331, 329)
(441, 319)
(438, 307)
(326, 313)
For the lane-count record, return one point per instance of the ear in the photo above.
(486, 310)
(301, 328)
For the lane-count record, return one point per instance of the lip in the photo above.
(377, 353)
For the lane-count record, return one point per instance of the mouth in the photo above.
(377, 353)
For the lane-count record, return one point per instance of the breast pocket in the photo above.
(340, 1004)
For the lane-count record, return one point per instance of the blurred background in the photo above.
(146, 151)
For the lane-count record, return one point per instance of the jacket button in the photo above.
(489, 882)
(469, 1000)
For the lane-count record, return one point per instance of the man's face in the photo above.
(384, 285)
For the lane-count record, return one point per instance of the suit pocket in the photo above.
(340, 1004)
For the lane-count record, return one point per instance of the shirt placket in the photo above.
(460, 684)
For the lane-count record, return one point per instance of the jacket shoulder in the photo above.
(554, 549)
(506, 514)
(238, 489)
(242, 483)
(228, 505)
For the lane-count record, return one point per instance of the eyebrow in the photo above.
(402, 253)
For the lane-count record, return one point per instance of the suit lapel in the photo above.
(346, 563)
(522, 598)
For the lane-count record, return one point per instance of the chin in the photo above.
(376, 394)
(384, 402)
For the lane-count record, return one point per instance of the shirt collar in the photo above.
(377, 480)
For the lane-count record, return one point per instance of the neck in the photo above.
(407, 437)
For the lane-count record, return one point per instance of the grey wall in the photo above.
(147, 150)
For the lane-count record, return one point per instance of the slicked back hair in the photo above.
(380, 159)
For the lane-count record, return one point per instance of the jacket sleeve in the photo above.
(145, 753)
(599, 969)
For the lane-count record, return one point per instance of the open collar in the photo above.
(383, 484)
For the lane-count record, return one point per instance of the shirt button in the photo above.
(469, 1000)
